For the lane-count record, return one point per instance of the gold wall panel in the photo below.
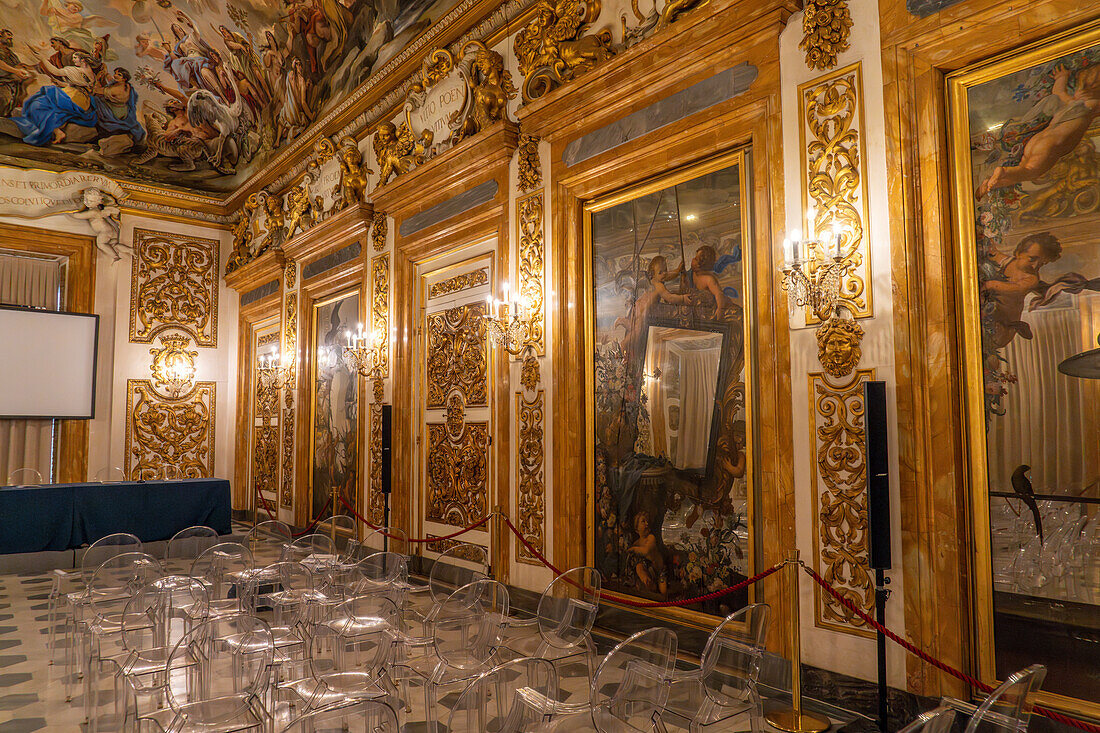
(458, 283)
(456, 356)
(286, 493)
(838, 474)
(174, 284)
(164, 433)
(458, 472)
(376, 500)
(532, 266)
(531, 480)
(833, 181)
(380, 308)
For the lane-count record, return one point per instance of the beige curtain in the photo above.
(32, 282)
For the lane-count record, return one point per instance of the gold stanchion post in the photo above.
(793, 720)
(497, 540)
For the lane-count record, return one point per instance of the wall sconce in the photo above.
(507, 323)
(271, 373)
(811, 281)
(173, 365)
(366, 358)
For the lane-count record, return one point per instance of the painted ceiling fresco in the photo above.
(187, 93)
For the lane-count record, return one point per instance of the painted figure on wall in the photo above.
(186, 93)
(335, 409)
(670, 478)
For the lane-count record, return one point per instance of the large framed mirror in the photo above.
(670, 312)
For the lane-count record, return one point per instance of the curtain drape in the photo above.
(34, 282)
(698, 377)
(1045, 425)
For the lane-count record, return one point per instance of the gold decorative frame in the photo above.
(739, 157)
(380, 309)
(458, 283)
(531, 475)
(532, 266)
(833, 180)
(838, 461)
(174, 284)
(165, 432)
(973, 467)
(290, 361)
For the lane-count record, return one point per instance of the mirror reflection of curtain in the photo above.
(698, 377)
(1048, 422)
(34, 282)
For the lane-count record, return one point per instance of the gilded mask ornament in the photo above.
(173, 365)
(838, 346)
(826, 25)
(553, 48)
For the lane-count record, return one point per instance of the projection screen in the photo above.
(47, 364)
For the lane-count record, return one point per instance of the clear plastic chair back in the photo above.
(218, 669)
(162, 612)
(187, 544)
(104, 549)
(469, 625)
(732, 655)
(631, 684)
(113, 474)
(24, 477)
(119, 578)
(459, 566)
(387, 539)
(374, 716)
(350, 649)
(567, 608)
(514, 697)
(307, 546)
(267, 539)
(220, 566)
(938, 720)
(280, 593)
(1008, 708)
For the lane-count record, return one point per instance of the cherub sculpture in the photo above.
(490, 89)
(397, 151)
(242, 242)
(103, 216)
(299, 208)
(275, 223)
(353, 174)
(838, 347)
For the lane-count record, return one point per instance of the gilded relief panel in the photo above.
(458, 474)
(833, 183)
(380, 310)
(532, 266)
(174, 284)
(458, 283)
(166, 437)
(838, 475)
(456, 356)
(376, 500)
(530, 462)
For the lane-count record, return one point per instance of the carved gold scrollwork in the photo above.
(458, 283)
(553, 48)
(655, 20)
(456, 356)
(290, 275)
(378, 231)
(376, 500)
(530, 164)
(458, 474)
(833, 185)
(838, 438)
(173, 360)
(380, 309)
(826, 25)
(174, 285)
(286, 496)
(169, 435)
(529, 375)
(530, 460)
(532, 266)
(290, 337)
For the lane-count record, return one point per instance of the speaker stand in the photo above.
(881, 594)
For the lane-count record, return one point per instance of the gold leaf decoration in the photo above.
(838, 346)
(838, 439)
(555, 47)
(532, 266)
(169, 437)
(174, 284)
(380, 309)
(826, 25)
(173, 357)
(530, 461)
(287, 494)
(378, 231)
(456, 356)
(457, 473)
(290, 275)
(529, 375)
(458, 283)
(376, 500)
(530, 165)
(833, 184)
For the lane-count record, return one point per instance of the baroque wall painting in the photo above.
(1027, 145)
(334, 411)
(670, 451)
(190, 93)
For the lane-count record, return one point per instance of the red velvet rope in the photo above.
(943, 666)
(304, 532)
(462, 531)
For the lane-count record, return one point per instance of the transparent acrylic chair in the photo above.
(110, 475)
(515, 697)
(937, 720)
(365, 715)
(69, 589)
(387, 539)
(349, 655)
(267, 540)
(217, 677)
(24, 477)
(225, 569)
(1008, 708)
(280, 596)
(724, 684)
(381, 573)
(467, 632)
(459, 566)
(346, 532)
(564, 618)
(311, 548)
(186, 545)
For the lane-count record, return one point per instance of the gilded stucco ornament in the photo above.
(378, 231)
(323, 150)
(274, 223)
(530, 165)
(398, 151)
(299, 208)
(838, 346)
(553, 47)
(826, 25)
(655, 20)
(489, 87)
(353, 175)
(529, 376)
(173, 366)
(242, 242)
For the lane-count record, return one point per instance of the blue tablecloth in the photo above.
(65, 516)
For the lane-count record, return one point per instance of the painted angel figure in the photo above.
(103, 215)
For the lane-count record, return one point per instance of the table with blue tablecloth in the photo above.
(66, 516)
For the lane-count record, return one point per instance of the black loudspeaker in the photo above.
(387, 445)
(878, 474)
